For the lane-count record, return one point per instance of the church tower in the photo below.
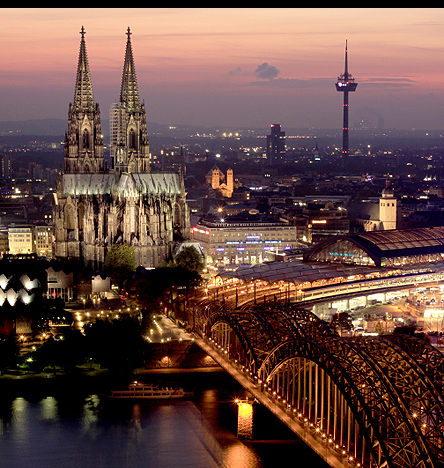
(84, 139)
(130, 150)
(230, 185)
(388, 209)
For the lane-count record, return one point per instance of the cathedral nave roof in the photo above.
(150, 183)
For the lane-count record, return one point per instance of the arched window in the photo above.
(70, 217)
(132, 139)
(85, 139)
(80, 215)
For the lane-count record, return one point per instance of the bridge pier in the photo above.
(361, 402)
(290, 419)
(245, 419)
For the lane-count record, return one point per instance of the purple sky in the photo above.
(231, 67)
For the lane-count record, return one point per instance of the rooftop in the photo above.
(295, 272)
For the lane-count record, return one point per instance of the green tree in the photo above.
(190, 259)
(119, 262)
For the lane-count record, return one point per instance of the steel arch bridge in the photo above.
(373, 401)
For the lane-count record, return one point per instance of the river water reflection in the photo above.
(72, 428)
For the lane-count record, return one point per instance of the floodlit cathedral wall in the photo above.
(127, 204)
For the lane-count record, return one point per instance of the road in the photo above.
(166, 330)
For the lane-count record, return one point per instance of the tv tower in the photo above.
(345, 84)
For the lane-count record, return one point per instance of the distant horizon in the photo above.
(231, 67)
(241, 127)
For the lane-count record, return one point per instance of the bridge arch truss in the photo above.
(377, 401)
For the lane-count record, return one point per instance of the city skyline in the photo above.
(231, 67)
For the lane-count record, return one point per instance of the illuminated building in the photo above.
(345, 84)
(242, 239)
(43, 236)
(388, 209)
(20, 239)
(392, 248)
(216, 179)
(22, 284)
(96, 208)
(5, 166)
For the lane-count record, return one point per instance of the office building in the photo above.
(20, 239)
(275, 145)
(242, 239)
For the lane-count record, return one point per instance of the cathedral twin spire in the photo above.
(84, 142)
(83, 94)
(129, 92)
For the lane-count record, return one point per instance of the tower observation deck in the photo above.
(345, 84)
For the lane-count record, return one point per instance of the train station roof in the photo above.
(406, 243)
(388, 244)
(403, 239)
(295, 272)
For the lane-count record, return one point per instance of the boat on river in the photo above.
(149, 391)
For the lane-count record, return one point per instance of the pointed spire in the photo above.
(346, 62)
(129, 92)
(83, 94)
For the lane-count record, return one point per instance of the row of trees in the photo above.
(154, 290)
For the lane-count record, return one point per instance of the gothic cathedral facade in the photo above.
(97, 208)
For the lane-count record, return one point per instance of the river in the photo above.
(65, 423)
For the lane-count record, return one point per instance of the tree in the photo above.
(67, 352)
(8, 353)
(149, 292)
(343, 320)
(119, 262)
(116, 345)
(190, 259)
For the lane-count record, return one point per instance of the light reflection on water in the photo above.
(135, 435)
(72, 431)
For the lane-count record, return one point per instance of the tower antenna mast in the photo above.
(345, 84)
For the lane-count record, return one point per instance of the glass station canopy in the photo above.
(382, 248)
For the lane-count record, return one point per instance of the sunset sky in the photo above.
(231, 67)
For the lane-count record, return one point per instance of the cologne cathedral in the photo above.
(98, 207)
